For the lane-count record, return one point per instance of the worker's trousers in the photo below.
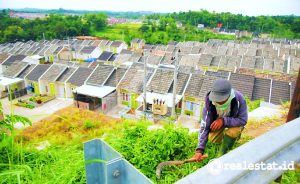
(226, 137)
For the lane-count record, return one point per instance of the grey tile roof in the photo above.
(115, 77)
(261, 89)
(87, 49)
(15, 69)
(94, 64)
(218, 74)
(215, 61)
(182, 79)
(79, 76)
(96, 43)
(205, 59)
(37, 72)
(122, 58)
(53, 73)
(134, 78)
(12, 59)
(161, 81)
(100, 75)
(259, 63)
(58, 50)
(190, 60)
(170, 48)
(135, 57)
(243, 83)
(51, 50)
(194, 86)
(116, 44)
(105, 56)
(3, 57)
(280, 92)
(66, 74)
(151, 59)
(26, 71)
(125, 51)
(248, 62)
(206, 86)
(167, 59)
(196, 50)
(233, 61)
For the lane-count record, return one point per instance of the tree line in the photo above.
(54, 26)
(276, 26)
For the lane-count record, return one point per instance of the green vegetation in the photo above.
(252, 104)
(26, 104)
(124, 32)
(55, 26)
(276, 26)
(22, 160)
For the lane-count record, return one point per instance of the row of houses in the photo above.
(103, 86)
(64, 49)
(264, 55)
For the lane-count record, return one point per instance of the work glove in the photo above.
(217, 124)
(198, 156)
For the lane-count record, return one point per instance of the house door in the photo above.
(36, 88)
(60, 91)
(196, 110)
(52, 89)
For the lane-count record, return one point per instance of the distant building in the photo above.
(178, 24)
(137, 44)
(200, 26)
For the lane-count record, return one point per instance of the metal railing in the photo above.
(280, 146)
(104, 165)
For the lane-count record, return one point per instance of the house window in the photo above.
(189, 106)
(123, 96)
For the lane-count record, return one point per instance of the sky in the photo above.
(245, 7)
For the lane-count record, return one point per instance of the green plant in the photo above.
(145, 149)
(89, 124)
(11, 159)
(252, 104)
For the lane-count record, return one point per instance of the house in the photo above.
(89, 52)
(13, 59)
(99, 91)
(89, 96)
(12, 87)
(137, 44)
(159, 95)
(48, 79)
(197, 88)
(49, 53)
(131, 85)
(3, 58)
(12, 82)
(117, 46)
(78, 77)
(61, 85)
(32, 78)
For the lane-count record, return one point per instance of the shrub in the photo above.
(89, 124)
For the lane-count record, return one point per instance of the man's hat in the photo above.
(221, 90)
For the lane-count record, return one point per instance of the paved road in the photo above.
(37, 113)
